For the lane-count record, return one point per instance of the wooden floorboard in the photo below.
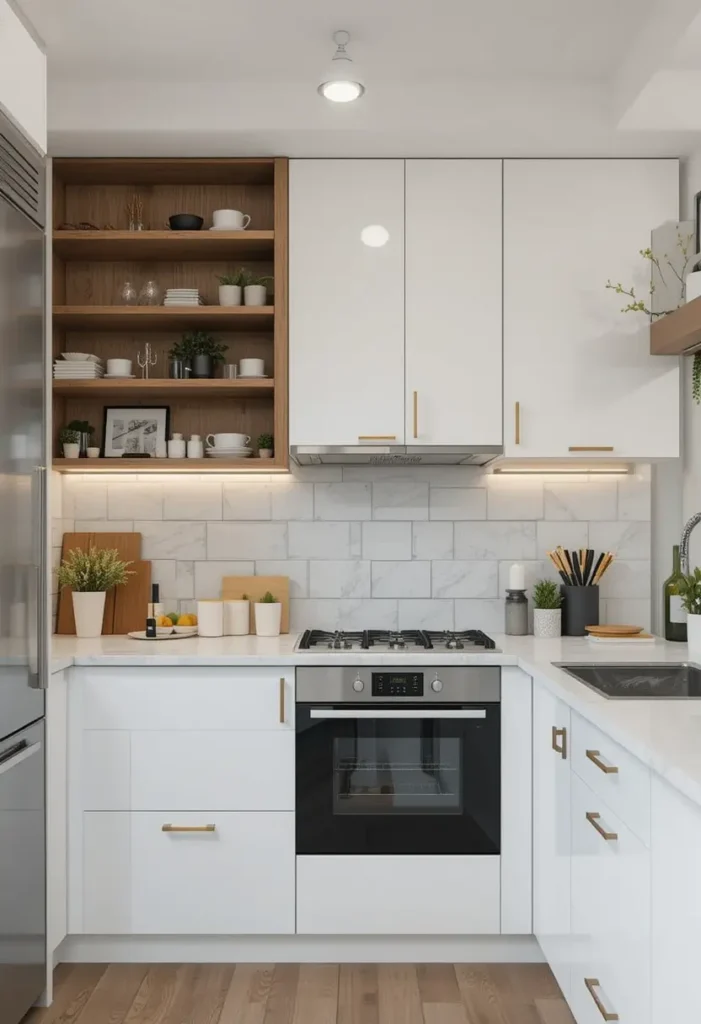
(304, 994)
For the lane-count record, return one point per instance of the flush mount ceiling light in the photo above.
(341, 83)
(374, 235)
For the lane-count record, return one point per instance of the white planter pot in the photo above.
(255, 295)
(71, 451)
(693, 632)
(268, 618)
(237, 618)
(265, 453)
(88, 608)
(229, 294)
(547, 623)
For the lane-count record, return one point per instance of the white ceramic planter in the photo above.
(693, 285)
(229, 294)
(693, 633)
(88, 608)
(71, 451)
(255, 295)
(237, 618)
(265, 453)
(547, 623)
(268, 617)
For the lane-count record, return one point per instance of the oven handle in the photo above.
(427, 712)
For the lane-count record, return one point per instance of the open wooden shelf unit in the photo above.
(90, 267)
(677, 333)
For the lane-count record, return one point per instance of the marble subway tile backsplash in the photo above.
(371, 547)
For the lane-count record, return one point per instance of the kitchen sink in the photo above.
(639, 681)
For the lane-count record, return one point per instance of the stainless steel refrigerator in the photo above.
(23, 637)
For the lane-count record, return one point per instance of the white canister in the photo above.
(88, 609)
(547, 623)
(237, 618)
(268, 618)
(251, 367)
(210, 618)
(195, 448)
(176, 447)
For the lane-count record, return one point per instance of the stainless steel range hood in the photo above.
(394, 455)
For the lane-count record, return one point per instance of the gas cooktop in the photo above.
(403, 641)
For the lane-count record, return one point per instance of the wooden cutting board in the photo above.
(129, 547)
(131, 600)
(234, 587)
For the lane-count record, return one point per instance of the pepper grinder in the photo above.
(516, 613)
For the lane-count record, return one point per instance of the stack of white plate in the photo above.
(182, 297)
(78, 366)
(234, 452)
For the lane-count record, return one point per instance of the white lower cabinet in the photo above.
(141, 880)
(610, 915)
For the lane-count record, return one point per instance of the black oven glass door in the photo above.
(390, 779)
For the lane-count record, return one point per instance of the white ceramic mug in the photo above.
(233, 220)
(228, 440)
(119, 367)
(251, 367)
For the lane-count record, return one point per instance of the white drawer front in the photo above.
(237, 880)
(611, 917)
(188, 770)
(187, 698)
(413, 895)
(627, 790)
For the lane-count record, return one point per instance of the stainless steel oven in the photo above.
(398, 760)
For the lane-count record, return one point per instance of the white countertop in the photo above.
(664, 734)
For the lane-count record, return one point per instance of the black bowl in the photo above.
(185, 222)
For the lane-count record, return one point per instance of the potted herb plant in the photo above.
(547, 610)
(231, 288)
(200, 351)
(268, 615)
(70, 439)
(265, 446)
(689, 589)
(85, 433)
(90, 574)
(255, 290)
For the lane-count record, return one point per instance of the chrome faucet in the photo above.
(684, 543)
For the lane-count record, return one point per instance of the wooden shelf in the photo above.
(252, 465)
(164, 245)
(163, 318)
(164, 386)
(678, 333)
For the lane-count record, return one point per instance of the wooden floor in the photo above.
(304, 994)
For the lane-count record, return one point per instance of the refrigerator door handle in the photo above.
(37, 638)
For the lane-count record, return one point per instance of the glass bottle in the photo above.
(674, 614)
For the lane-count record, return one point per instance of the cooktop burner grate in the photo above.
(403, 640)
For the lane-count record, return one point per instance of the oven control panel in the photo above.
(397, 684)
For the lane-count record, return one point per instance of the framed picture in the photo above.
(140, 430)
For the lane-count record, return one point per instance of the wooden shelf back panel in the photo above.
(164, 245)
(252, 465)
(161, 318)
(155, 171)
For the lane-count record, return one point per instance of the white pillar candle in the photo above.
(517, 577)
(210, 618)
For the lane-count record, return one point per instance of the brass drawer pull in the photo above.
(607, 769)
(591, 448)
(592, 984)
(560, 734)
(188, 828)
(282, 701)
(593, 819)
(377, 437)
(416, 414)
(517, 423)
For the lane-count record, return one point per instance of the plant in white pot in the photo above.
(255, 289)
(268, 615)
(90, 574)
(689, 589)
(547, 611)
(70, 440)
(265, 446)
(231, 289)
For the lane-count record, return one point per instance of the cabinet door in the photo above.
(453, 302)
(551, 832)
(579, 369)
(346, 302)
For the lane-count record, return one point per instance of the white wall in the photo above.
(22, 77)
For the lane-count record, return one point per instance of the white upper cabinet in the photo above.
(22, 77)
(577, 371)
(453, 302)
(346, 301)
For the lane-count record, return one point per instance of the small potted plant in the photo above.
(265, 446)
(231, 288)
(689, 589)
(85, 433)
(268, 615)
(90, 574)
(70, 439)
(200, 351)
(547, 611)
(255, 291)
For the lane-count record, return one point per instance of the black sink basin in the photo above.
(641, 681)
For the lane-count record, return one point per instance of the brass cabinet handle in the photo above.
(377, 437)
(560, 734)
(592, 984)
(517, 423)
(591, 448)
(416, 414)
(188, 828)
(608, 769)
(282, 701)
(593, 819)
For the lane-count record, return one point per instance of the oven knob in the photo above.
(358, 685)
(436, 685)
